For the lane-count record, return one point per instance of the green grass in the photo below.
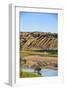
(51, 53)
(24, 74)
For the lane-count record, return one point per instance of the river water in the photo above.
(44, 72)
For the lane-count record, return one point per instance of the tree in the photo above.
(37, 69)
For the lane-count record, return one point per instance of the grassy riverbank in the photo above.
(24, 74)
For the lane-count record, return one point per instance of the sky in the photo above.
(38, 22)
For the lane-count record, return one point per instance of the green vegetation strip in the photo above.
(45, 53)
(24, 74)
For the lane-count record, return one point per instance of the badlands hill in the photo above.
(38, 40)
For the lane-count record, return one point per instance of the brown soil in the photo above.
(44, 62)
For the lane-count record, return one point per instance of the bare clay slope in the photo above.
(38, 40)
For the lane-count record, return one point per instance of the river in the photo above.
(44, 72)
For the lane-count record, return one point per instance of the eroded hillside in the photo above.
(38, 40)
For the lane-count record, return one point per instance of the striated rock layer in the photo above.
(38, 40)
